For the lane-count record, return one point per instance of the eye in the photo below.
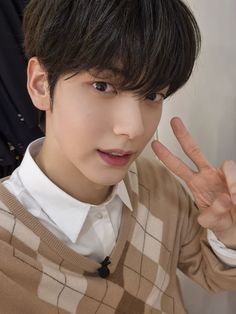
(103, 87)
(157, 97)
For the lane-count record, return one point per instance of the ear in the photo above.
(37, 84)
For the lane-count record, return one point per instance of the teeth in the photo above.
(116, 154)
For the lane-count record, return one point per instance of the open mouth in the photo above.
(115, 158)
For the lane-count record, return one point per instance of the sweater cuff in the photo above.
(226, 255)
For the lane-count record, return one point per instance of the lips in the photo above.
(117, 152)
(115, 157)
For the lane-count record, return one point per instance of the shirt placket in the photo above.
(104, 231)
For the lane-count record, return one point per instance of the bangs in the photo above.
(148, 45)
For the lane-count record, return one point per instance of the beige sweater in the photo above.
(39, 274)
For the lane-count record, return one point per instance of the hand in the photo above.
(229, 171)
(210, 186)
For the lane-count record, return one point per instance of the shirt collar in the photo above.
(66, 212)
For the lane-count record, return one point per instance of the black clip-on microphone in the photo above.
(104, 271)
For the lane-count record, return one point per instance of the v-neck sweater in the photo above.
(91, 230)
(40, 274)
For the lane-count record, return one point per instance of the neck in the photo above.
(72, 182)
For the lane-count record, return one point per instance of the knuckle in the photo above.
(194, 150)
(179, 168)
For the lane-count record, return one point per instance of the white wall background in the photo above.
(207, 105)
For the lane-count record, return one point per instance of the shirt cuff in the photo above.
(226, 255)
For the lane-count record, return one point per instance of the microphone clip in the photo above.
(104, 271)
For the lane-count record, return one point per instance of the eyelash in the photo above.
(113, 90)
(162, 97)
(103, 83)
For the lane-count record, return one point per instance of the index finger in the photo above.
(188, 145)
(229, 170)
(173, 163)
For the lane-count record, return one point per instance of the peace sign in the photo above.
(208, 184)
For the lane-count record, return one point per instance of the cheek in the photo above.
(78, 124)
(152, 120)
(65, 123)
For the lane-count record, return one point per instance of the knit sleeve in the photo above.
(196, 258)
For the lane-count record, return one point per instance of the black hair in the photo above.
(149, 44)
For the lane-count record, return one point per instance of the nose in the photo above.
(128, 117)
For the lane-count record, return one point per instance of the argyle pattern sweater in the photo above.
(39, 274)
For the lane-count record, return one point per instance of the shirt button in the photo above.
(99, 216)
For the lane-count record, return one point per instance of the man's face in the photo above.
(97, 131)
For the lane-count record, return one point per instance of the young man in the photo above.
(86, 225)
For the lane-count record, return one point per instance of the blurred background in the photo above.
(18, 117)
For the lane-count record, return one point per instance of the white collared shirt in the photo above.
(91, 230)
